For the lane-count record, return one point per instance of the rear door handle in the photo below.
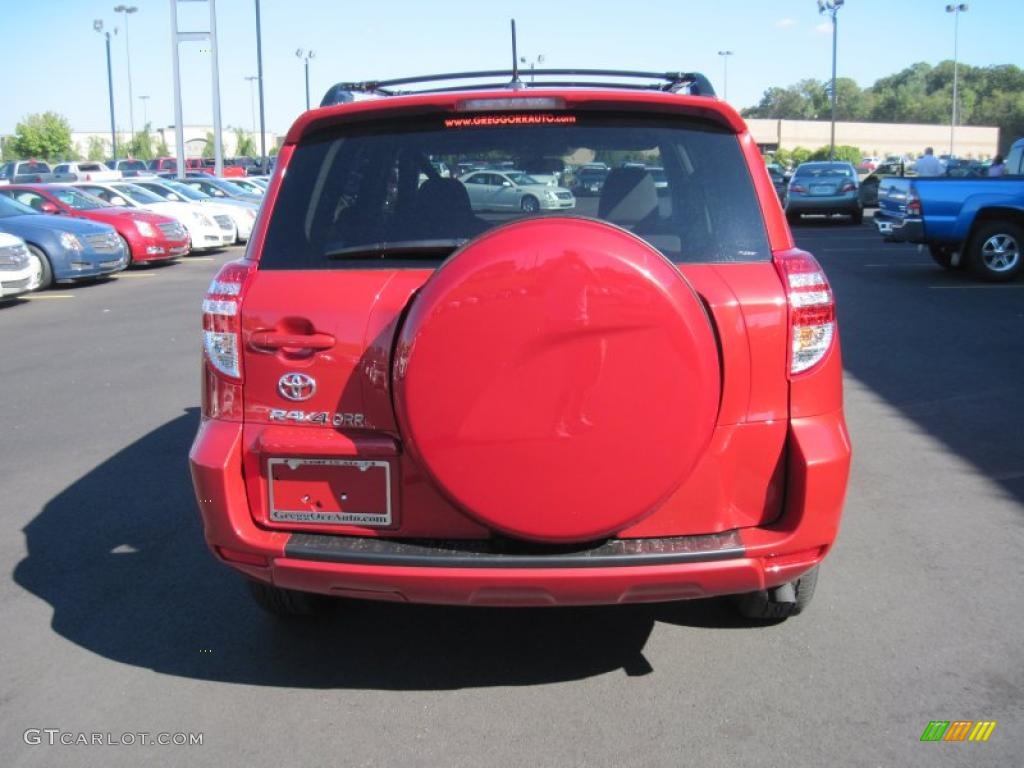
(290, 341)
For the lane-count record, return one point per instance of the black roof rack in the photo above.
(691, 83)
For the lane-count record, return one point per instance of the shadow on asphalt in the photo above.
(120, 556)
(943, 348)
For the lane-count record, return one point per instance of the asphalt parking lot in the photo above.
(115, 618)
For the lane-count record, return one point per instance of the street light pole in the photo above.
(306, 56)
(956, 10)
(252, 99)
(725, 73)
(127, 10)
(98, 26)
(259, 75)
(533, 64)
(832, 7)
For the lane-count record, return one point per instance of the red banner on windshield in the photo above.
(488, 120)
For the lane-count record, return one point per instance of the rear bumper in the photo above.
(909, 230)
(481, 573)
(823, 205)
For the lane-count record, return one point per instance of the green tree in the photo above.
(161, 148)
(141, 145)
(799, 155)
(7, 150)
(208, 148)
(46, 136)
(272, 152)
(843, 153)
(97, 149)
(244, 145)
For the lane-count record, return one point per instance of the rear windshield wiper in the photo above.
(398, 249)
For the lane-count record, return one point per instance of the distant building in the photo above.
(195, 140)
(875, 139)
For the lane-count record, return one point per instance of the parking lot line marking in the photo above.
(50, 296)
(917, 266)
(118, 277)
(190, 259)
(985, 286)
(858, 250)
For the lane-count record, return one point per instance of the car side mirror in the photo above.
(218, 193)
(173, 197)
(506, 183)
(48, 207)
(118, 201)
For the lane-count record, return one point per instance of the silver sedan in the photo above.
(514, 190)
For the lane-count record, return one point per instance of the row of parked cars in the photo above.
(38, 171)
(64, 232)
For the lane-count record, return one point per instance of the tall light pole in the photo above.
(127, 10)
(832, 7)
(252, 100)
(956, 10)
(98, 26)
(145, 114)
(533, 64)
(725, 73)
(306, 56)
(259, 75)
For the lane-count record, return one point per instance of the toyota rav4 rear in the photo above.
(416, 391)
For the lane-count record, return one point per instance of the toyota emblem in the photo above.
(296, 386)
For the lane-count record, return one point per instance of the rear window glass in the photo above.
(825, 170)
(33, 168)
(383, 193)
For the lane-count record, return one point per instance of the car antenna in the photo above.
(516, 82)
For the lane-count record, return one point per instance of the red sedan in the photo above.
(147, 236)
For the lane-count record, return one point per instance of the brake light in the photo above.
(222, 341)
(913, 201)
(798, 188)
(812, 318)
(848, 187)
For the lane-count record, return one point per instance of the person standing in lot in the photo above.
(928, 164)
(998, 167)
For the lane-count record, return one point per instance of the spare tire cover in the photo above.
(557, 379)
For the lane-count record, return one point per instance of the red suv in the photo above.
(416, 391)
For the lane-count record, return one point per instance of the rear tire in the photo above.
(994, 251)
(857, 217)
(766, 605)
(44, 273)
(285, 603)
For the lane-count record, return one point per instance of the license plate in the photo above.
(821, 189)
(330, 491)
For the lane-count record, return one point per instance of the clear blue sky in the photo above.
(56, 61)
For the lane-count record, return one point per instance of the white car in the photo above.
(242, 212)
(17, 272)
(84, 171)
(206, 230)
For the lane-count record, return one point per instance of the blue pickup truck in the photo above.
(973, 223)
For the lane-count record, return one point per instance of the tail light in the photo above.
(88, 177)
(812, 315)
(849, 186)
(798, 188)
(913, 201)
(222, 341)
